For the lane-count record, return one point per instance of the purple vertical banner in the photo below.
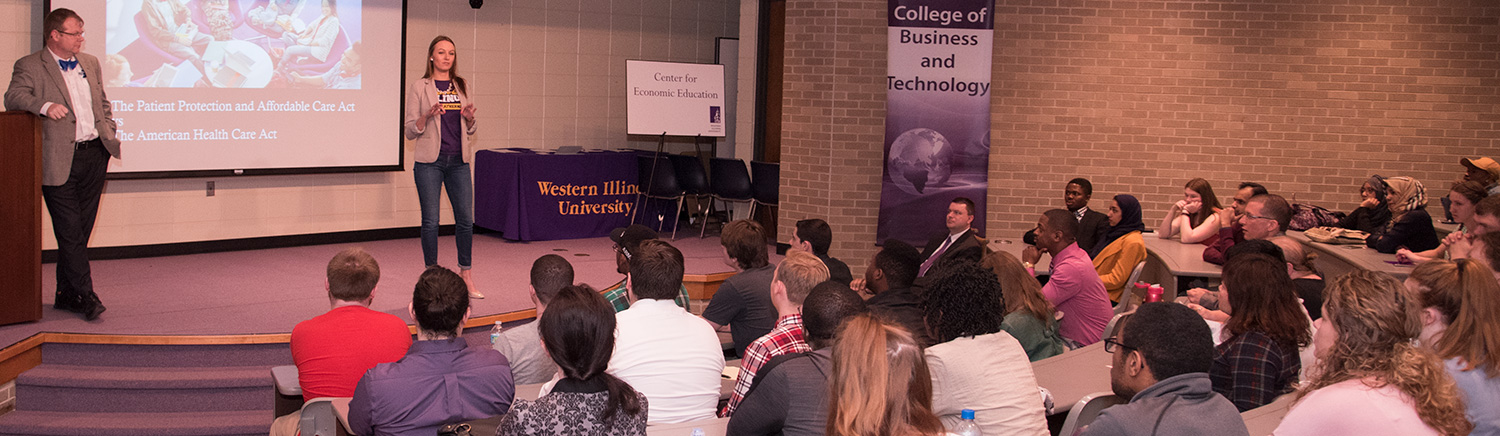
(937, 123)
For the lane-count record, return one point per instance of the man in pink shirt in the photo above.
(333, 350)
(1075, 287)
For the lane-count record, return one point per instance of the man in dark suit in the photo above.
(1092, 225)
(64, 86)
(959, 235)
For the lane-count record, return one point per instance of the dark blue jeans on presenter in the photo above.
(451, 172)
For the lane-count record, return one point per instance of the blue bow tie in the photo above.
(68, 65)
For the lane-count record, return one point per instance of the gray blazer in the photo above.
(419, 98)
(36, 81)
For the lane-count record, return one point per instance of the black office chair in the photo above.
(694, 182)
(662, 185)
(730, 182)
(767, 182)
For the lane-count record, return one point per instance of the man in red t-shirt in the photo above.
(333, 350)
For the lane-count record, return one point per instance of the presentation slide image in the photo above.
(233, 44)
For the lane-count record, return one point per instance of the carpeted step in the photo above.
(235, 423)
(267, 355)
(80, 388)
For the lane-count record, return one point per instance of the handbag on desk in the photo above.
(1336, 235)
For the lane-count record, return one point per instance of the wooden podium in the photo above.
(20, 217)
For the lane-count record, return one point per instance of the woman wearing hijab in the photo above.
(1373, 213)
(1410, 225)
(1122, 247)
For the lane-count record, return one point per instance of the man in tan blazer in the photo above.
(65, 87)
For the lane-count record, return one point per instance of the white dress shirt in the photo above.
(991, 375)
(672, 357)
(82, 100)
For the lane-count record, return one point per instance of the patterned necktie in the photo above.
(68, 65)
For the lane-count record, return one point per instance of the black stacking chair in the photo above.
(694, 182)
(663, 186)
(766, 180)
(730, 182)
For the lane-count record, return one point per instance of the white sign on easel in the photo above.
(678, 99)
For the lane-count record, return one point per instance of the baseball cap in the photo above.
(627, 237)
(1482, 163)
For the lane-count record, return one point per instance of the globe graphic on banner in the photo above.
(920, 158)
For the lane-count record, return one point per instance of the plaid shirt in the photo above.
(786, 338)
(1251, 370)
(617, 298)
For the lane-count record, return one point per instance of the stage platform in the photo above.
(266, 292)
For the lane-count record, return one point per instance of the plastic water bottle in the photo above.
(1154, 294)
(967, 427)
(495, 334)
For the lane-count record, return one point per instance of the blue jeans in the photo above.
(450, 171)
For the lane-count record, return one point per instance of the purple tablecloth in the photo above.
(543, 196)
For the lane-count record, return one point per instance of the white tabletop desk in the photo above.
(1072, 375)
(1015, 247)
(1168, 259)
(1262, 420)
(1337, 260)
(710, 427)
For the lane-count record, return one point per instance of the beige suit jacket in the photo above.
(428, 141)
(36, 81)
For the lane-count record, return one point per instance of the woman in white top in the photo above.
(1193, 216)
(1371, 378)
(314, 41)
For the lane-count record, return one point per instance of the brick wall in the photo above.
(833, 124)
(1308, 97)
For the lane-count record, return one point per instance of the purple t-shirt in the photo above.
(452, 121)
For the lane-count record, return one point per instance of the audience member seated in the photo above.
(522, 345)
(814, 236)
(880, 384)
(441, 380)
(1121, 248)
(627, 239)
(790, 396)
(1192, 217)
(345, 75)
(578, 332)
(743, 302)
(1410, 225)
(888, 281)
(1373, 212)
(1461, 202)
(1487, 216)
(1459, 301)
(1206, 301)
(1305, 277)
(1074, 288)
(1484, 171)
(1371, 377)
(1031, 319)
(329, 360)
(975, 365)
(1486, 250)
(1258, 360)
(666, 353)
(1092, 225)
(1160, 363)
(1235, 219)
(794, 278)
(958, 236)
